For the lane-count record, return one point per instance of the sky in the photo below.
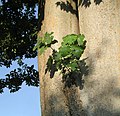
(25, 102)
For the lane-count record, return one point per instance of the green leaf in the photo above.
(57, 56)
(39, 39)
(59, 65)
(39, 43)
(48, 38)
(73, 66)
(35, 47)
(80, 39)
(74, 48)
(43, 42)
(42, 49)
(69, 39)
(35, 33)
(76, 51)
(64, 51)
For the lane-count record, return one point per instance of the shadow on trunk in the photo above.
(41, 13)
(71, 106)
(87, 3)
(66, 6)
(71, 78)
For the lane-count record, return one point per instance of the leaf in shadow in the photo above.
(76, 77)
(87, 3)
(67, 7)
(51, 67)
(97, 2)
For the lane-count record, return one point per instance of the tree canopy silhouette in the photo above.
(18, 27)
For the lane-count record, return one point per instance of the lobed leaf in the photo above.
(69, 39)
(73, 66)
(64, 51)
(42, 49)
(80, 39)
(48, 38)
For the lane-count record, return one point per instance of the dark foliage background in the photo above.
(18, 28)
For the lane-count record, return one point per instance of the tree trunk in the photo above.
(55, 100)
(100, 23)
(101, 26)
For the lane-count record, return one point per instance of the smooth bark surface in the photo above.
(101, 92)
(55, 100)
(101, 26)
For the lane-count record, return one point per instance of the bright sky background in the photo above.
(25, 102)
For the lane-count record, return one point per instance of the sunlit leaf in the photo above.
(64, 51)
(69, 39)
(48, 38)
(80, 39)
(42, 49)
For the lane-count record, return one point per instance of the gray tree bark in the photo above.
(55, 100)
(101, 26)
(101, 92)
